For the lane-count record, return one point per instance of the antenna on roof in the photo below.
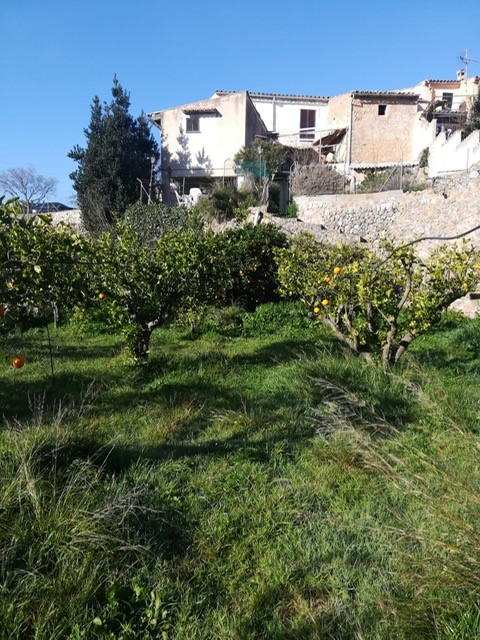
(465, 59)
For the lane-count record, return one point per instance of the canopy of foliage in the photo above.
(376, 303)
(41, 265)
(120, 150)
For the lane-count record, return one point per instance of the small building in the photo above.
(369, 128)
(293, 120)
(200, 139)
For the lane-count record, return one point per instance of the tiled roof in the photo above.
(442, 81)
(395, 94)
(202, 110)
(253, 94)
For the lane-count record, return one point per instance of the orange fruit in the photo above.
(18, 362)
(325, 303)
(316, 309)
(102, 295)
(2, 310)
(327, 278)
(337, 271)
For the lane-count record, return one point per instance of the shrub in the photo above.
(473, 120)
(373, 181)
(424, 156)
(228, 200)
(143, 288)
(43, 266)
(315, 180)
(376, 304)
(252, 264)
(153, 220)
(292, 210)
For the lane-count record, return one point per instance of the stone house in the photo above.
(200, 139)
(370, 129)
(355, 132)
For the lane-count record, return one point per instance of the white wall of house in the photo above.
(282, 115)
(448, 154)
(423, 135)
(225, 124)
(463, 90)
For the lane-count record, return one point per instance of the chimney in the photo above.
(461, 74)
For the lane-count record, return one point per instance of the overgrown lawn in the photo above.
(262, 483)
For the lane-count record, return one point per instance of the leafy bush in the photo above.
(228, 200)
(376, 304)
(224, 321)
(153, 220)
(423, 161)
(43, 266)
(473, 120)
(292, 210)
(315, 180)
(252, 264)
(373, 181)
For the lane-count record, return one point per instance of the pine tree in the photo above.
(118, 152)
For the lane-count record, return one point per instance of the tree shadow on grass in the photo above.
(458, 361)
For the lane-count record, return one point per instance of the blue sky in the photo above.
(57, 55)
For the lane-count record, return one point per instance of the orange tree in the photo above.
(376, 303)
(252, 264)
(144, 285)
(42, 265)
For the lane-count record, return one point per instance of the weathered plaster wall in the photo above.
(221, 135)
(338, 115)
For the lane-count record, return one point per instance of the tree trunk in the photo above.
(142, 346)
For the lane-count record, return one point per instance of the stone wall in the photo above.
(447, 208)
(71, 217)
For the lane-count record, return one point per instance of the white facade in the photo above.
(200, 139)
(451, 153)
(295, 120)
(443, 105)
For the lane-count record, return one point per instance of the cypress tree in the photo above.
(118, 151)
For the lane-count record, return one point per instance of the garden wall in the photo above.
(449, 207)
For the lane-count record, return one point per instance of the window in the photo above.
(382, 109)
(193, 123)
(447, 99)
(307, 121)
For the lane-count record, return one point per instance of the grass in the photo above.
(257, 485)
